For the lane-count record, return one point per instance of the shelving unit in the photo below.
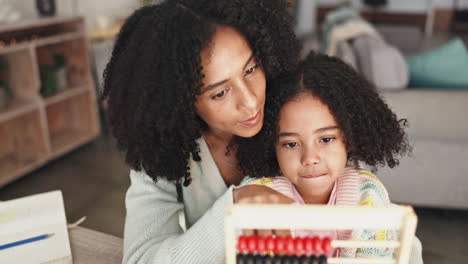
(36, 129)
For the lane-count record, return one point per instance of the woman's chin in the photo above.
(248, 132)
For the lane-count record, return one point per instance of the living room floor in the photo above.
(94, 178)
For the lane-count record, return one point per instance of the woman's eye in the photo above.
(251, 70)
(290, 145)
(327, 139)
(219, 95)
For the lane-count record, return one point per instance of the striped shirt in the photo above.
(353, 187)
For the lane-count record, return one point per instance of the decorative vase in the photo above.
(61, 78)
(45, 7)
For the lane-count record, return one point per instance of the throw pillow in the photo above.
(445, 67)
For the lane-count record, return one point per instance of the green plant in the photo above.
(59, 60)
(3, 72)
(48, 80)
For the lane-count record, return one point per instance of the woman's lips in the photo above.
(252, 121)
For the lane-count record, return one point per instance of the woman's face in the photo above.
(310, 148)
(233, 95)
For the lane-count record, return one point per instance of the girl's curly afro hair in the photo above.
(154, 74)
(373, 133)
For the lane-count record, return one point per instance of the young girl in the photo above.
(327, 120)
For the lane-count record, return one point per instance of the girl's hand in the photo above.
(258, 194)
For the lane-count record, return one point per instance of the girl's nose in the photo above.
(310, 156)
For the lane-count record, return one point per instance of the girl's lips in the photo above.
(316, 175)
(252, 121)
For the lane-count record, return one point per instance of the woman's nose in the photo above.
(247, 99)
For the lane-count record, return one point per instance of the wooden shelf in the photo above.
(37, 23)
(24, 144)
(74, 49)
(14, 48)
(16, 108)
(14, 165)
(71, 121)
(58, 39)
(65, 94)
(34, 130)
(68, 139)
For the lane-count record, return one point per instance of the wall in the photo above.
(90, 9)
(409, 5)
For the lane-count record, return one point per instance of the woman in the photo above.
(185, 78)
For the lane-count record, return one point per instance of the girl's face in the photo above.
(233, 96)
(310, 147)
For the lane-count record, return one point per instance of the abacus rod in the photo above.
(361, 261)
(298, 217)
(365, 244)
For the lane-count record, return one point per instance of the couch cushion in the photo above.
(432, 114)
(381, 63)
(435, 175)
(442, 68)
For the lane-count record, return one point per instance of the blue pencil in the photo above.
(25, 241)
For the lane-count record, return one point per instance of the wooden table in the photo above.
(89, 246)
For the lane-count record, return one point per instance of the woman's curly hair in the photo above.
(155, 73)
(373, 133)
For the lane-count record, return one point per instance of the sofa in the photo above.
(436, 174)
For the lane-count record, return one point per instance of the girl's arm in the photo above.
(152, 230)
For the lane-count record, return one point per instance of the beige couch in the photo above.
(437, 173)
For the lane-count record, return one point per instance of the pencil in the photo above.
(25, 241)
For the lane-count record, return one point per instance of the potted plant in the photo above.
(5, 93)
(53, 77)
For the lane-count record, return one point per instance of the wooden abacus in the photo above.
(402, 219)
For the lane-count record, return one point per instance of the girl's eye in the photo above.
(327, 139)
(251, 69)
(290, 145)
(219, 95)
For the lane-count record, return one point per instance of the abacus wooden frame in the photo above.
(318, 217)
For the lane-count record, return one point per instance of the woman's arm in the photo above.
(152, 230)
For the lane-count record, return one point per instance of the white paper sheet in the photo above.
(33, 216)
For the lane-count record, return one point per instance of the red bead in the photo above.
(299, 245)
(308, 245)
(261, 245)
(270, 244)
(280, 245)
(316, 245)
(242, 244)
(290, 249)
(326, 245)
(251, 244)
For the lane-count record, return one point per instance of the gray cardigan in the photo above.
(152, 230)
